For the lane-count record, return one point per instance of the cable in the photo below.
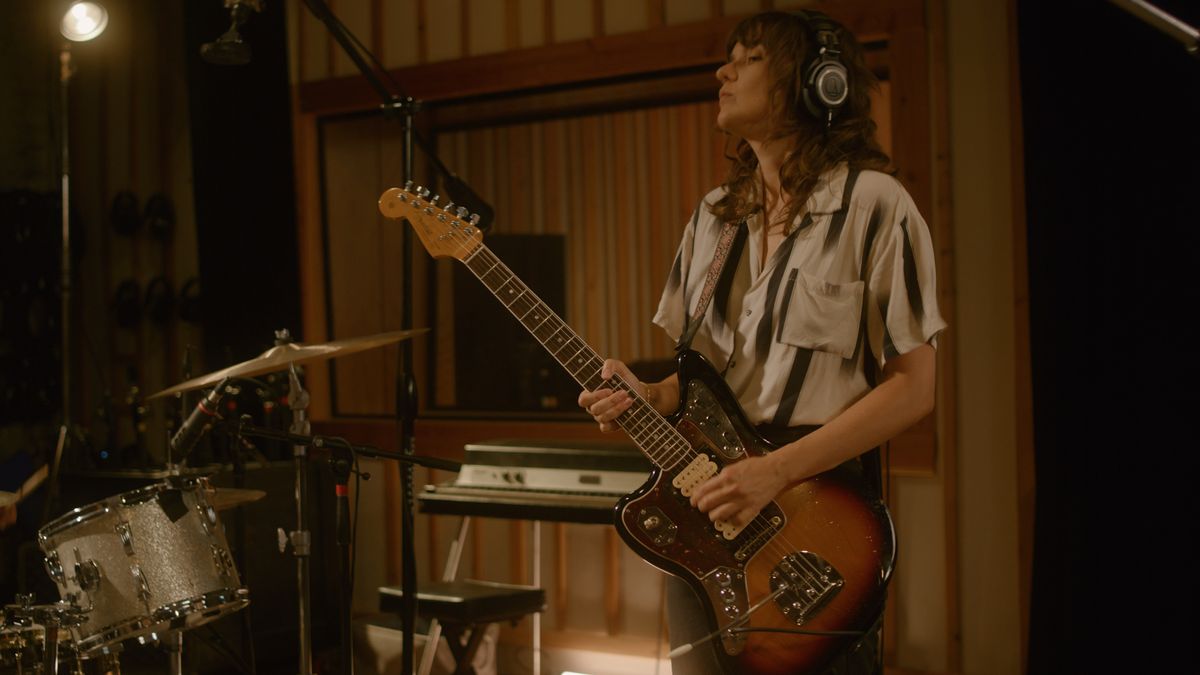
(801, 631)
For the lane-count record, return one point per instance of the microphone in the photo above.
(201, 420)
(229, 49)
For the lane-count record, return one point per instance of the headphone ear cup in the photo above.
(127, 304)
(826, 86)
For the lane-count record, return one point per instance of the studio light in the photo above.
(83, 21)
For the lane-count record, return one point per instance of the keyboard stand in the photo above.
(467, 607)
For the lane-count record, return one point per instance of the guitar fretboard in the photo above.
(648, 429)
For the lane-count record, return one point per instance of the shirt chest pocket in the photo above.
(820, 315)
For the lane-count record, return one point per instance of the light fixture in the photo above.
(83, 21)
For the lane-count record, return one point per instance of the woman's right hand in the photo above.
(606, 404)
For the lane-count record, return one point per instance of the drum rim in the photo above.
(76, 516)
(87, 512)
(207, 607)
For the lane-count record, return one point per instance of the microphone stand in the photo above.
(1167, 24)
(406, 389)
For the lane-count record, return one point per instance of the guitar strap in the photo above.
(728, 231)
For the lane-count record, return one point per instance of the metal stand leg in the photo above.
(300, 538)
(537, 581)
(448, 574)
(174, 647)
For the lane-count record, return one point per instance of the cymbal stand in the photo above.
(300, 538)
(173, 646)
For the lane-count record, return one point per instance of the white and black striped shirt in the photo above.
(789, 335)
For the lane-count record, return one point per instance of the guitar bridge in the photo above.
(804, 583)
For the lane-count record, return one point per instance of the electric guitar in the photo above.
(784, 594)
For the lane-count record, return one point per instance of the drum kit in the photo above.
(154, 562)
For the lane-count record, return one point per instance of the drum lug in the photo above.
(54, 568)
(222, 561)
(126, 536)
(87, 575)
(143, 586)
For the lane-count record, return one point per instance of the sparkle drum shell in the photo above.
(150, 560)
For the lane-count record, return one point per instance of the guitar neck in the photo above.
(657, 439)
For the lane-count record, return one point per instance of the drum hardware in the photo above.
(34, 634)
(341, 464)
(287, 355)
(151, 560)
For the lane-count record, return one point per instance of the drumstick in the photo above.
(35, 479)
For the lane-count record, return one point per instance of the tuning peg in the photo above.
(408, 186)
(434, 199)
(423, 192)
(449, 207)
(460, 211)
(474, 218)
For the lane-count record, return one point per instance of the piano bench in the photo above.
(467, 606)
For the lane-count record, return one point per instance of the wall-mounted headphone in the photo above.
(826, 82)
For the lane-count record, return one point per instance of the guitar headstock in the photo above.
(446, 231)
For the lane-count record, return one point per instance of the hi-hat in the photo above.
(279, 358)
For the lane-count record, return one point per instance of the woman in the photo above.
(826, 313)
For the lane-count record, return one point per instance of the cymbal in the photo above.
(282, 356)
(227, 498)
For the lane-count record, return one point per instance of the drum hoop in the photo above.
(167, 617)
(70, 519)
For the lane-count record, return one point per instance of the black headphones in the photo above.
(826, 82)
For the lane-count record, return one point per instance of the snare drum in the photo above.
(149, 560)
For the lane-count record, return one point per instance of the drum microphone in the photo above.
(206, 412)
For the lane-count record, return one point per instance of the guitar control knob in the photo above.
(722, 577)
(651, 523)
(732, 610)
(728, 595)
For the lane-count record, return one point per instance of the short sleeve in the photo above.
(672, 307)
(902, 308)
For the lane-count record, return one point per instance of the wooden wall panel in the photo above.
(685, 11)
(487, 26)
(358, 17)
(531, 23)
(625, 16)
(572, 20)
(443, 30)
(399, 33)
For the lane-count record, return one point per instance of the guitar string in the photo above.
(776, 545)
(636, 425)
(677, 448)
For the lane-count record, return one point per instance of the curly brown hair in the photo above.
(850, 138)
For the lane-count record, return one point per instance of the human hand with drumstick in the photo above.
(9, 501)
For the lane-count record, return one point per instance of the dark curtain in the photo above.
(1112, 139)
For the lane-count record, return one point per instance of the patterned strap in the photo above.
(710, 284)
